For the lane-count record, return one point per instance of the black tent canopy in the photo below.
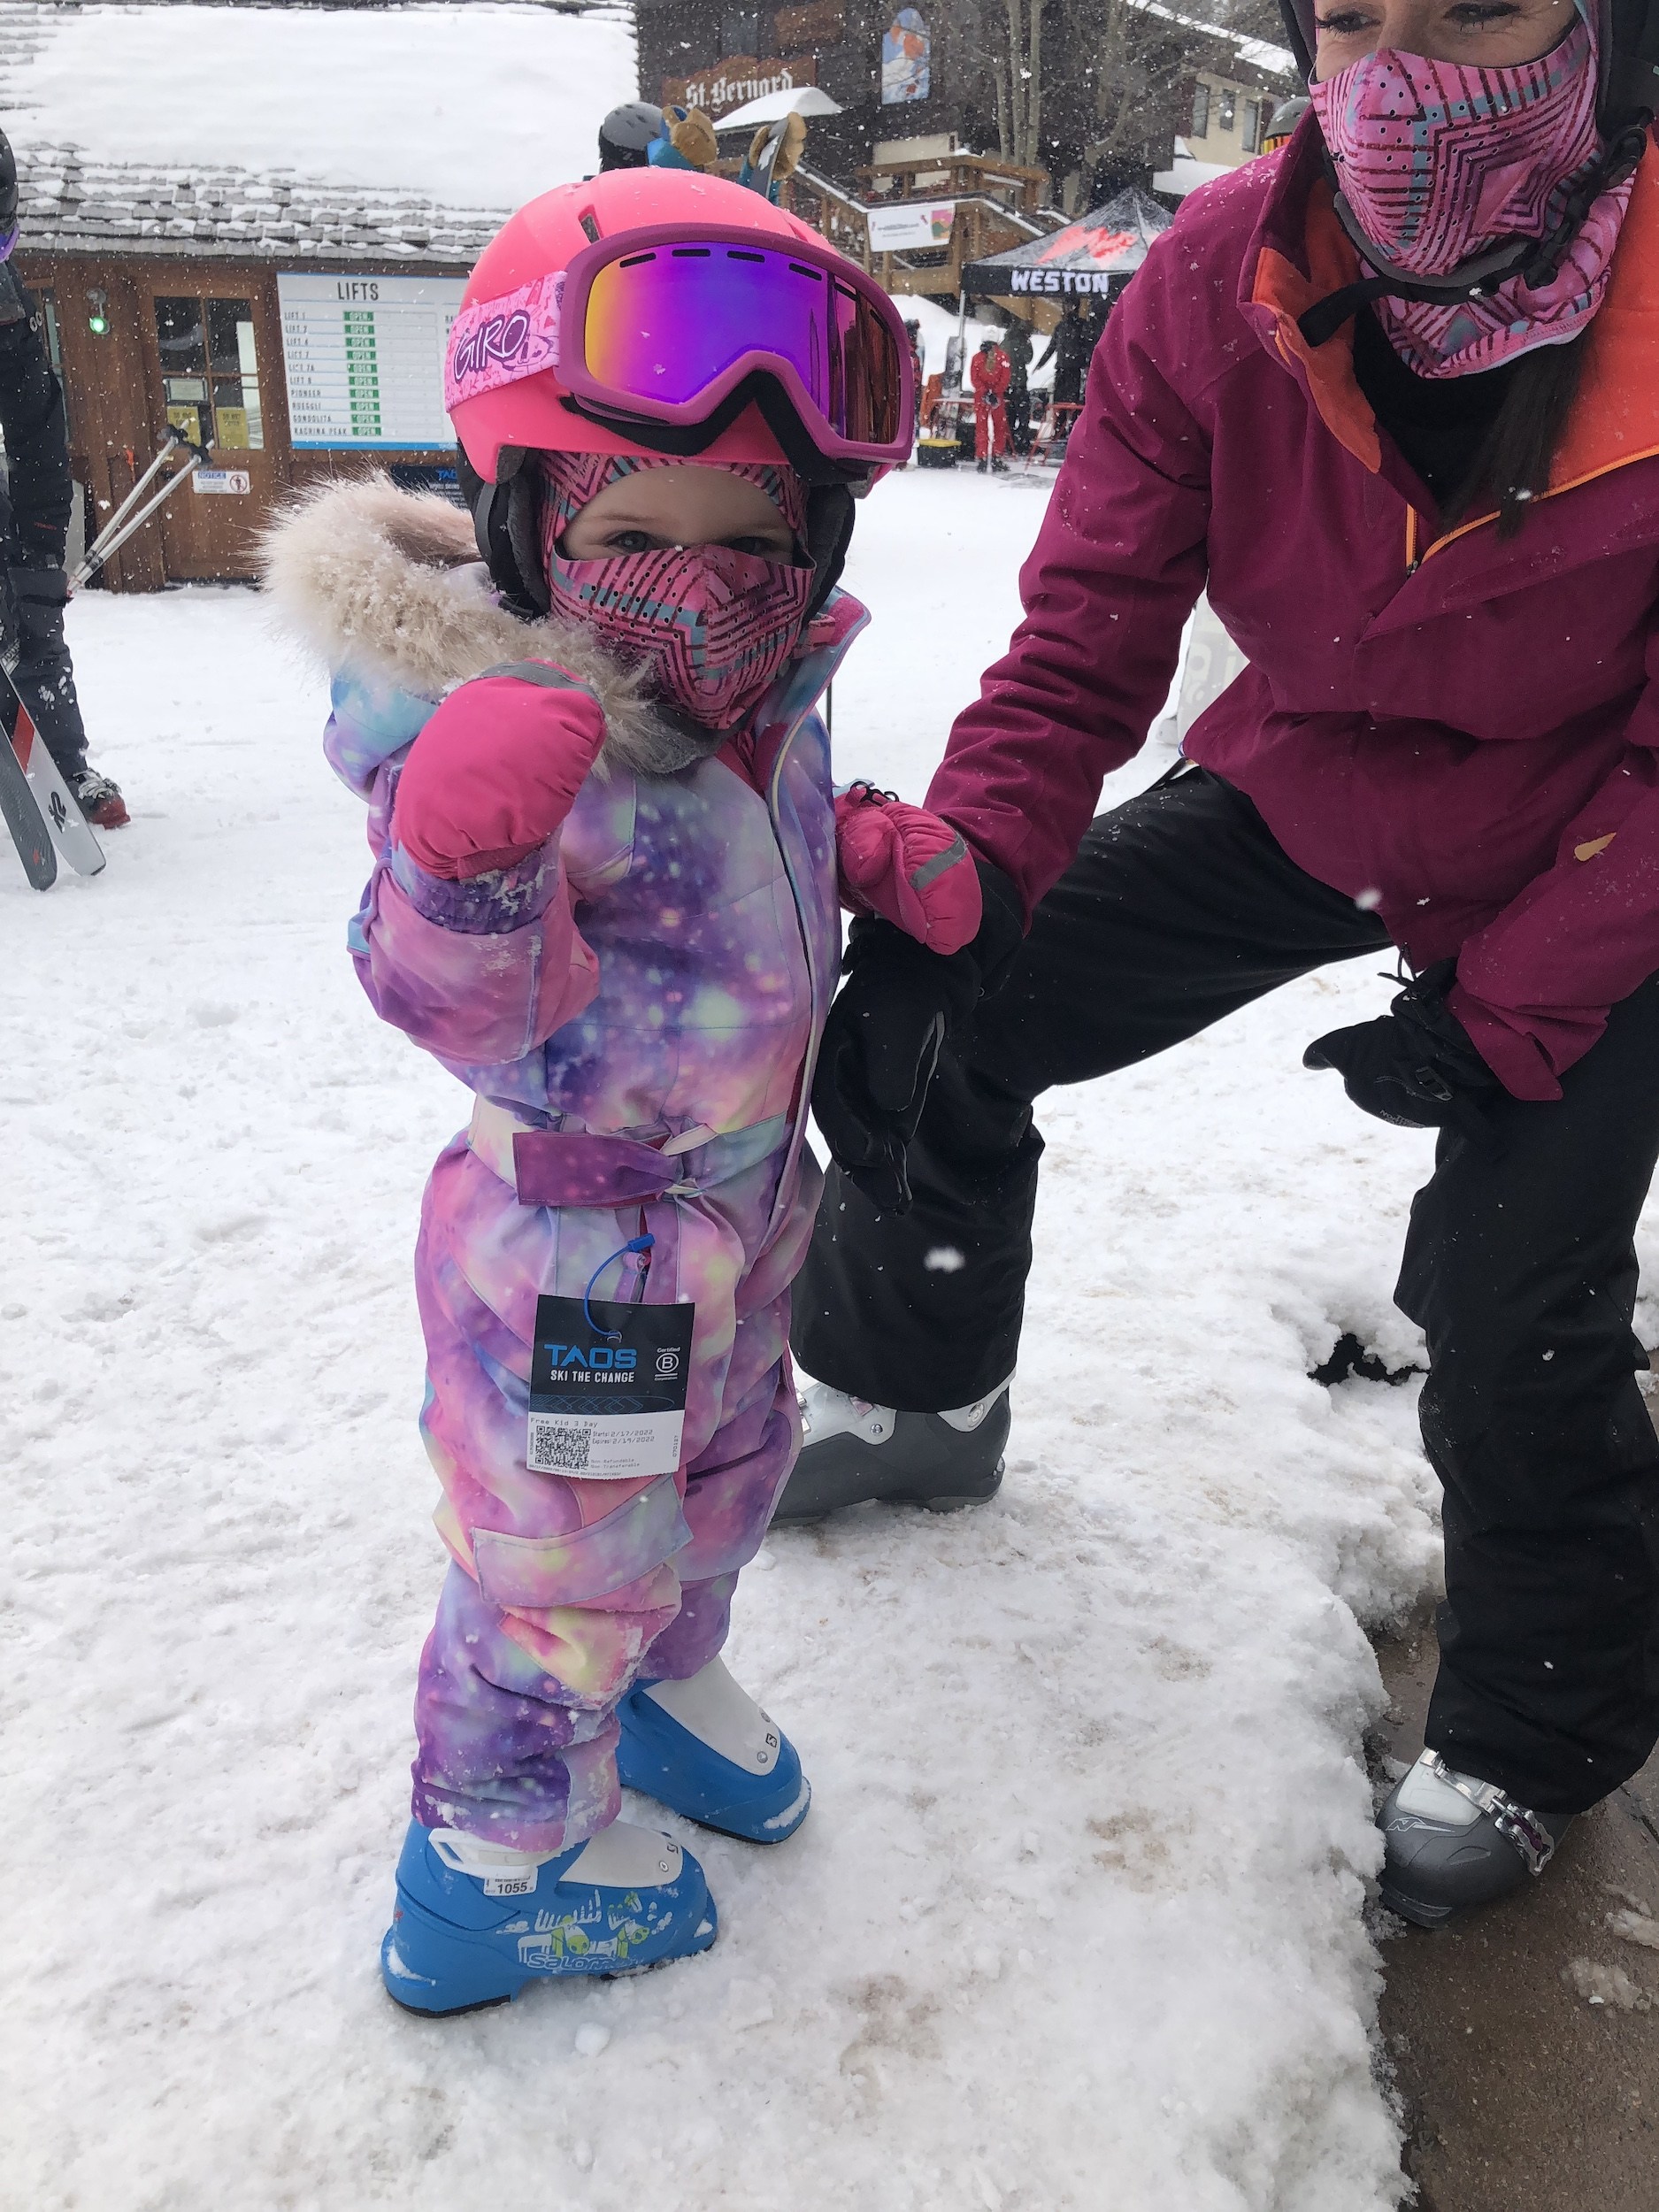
(1091, 255)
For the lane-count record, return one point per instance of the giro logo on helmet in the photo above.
(498, 341)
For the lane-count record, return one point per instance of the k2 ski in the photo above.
(27, 822)
(51, 795)
(70, 830)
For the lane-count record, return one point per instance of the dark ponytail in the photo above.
(1512, 466)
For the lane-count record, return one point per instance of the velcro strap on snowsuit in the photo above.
(558, 1167)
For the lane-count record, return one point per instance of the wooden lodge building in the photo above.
(255, 219)
(295, 328)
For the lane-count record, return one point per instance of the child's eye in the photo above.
(631, 542)
(764, 548)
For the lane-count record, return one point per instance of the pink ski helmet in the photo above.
(662, 310)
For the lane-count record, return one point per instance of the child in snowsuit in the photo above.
(608, 865)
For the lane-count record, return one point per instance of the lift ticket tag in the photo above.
(608, 1396)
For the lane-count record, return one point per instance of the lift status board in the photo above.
(365, 358)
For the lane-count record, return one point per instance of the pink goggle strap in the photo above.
(501, 342)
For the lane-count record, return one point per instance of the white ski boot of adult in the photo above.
(1454, 1842)
(855, 1451)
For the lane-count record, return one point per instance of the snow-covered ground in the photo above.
(1076, 1920)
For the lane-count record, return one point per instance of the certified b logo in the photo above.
(668, 1362)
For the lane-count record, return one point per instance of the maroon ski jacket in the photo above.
(1461, 732)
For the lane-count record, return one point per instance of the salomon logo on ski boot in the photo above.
(705, 1749)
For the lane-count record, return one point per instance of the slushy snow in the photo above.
(1076, 1920)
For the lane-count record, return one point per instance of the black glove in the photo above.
(882, 1040)
(1415, 1065)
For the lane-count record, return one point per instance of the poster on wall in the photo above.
(916, 223)
(905, 47)
(365, 358)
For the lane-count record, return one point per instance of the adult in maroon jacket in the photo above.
(1447, 742)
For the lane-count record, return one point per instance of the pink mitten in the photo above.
(905, 864)
(497, 769)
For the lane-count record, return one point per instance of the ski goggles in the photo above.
(667, 325)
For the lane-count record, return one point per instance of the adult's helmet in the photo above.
(1627, 69)
(626, 133)
(8, 197)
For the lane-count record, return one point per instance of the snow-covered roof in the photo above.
(1184, 175)
(1258, 54)
(361, 133)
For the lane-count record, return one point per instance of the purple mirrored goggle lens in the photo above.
(661, 327)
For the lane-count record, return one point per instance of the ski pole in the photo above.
(172, 438)
(170, 444)
(108, 546)
(114, 533)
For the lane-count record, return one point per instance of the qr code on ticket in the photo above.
(556, 1448)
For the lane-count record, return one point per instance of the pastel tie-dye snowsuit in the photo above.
(663, 966)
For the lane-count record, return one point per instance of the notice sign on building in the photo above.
(365, 358)
(911, 224)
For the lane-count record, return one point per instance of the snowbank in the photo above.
(477, 106)
(1076, 1920)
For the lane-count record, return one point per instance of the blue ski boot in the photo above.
(474, 1922)
(705, 1749)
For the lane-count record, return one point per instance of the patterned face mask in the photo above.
(714, 625)
(1439, 161)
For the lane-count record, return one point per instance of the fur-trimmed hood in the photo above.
(389, 583)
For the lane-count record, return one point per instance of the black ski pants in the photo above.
(1519, 1267)
(45, 680)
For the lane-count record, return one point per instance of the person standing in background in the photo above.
(34, 510)
(989, 373)
(627, 135)
(913, 332)
(1070, 345)
(1016, 346)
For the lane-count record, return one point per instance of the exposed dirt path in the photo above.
(1525, 2039)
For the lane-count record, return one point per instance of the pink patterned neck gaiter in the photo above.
(1438, 162)
(713, 625)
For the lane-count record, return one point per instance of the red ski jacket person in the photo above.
(1391, 397)
(989, 373)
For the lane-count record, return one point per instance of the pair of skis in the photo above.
(37, 805)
